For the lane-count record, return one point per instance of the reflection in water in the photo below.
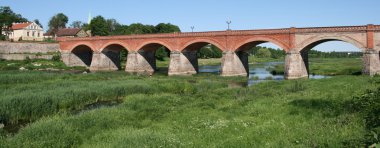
(257, 72)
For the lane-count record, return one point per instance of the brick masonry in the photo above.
(295, 41)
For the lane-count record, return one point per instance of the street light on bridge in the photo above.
(192, 28)
(228, 23)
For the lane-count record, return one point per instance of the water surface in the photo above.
(257, 72)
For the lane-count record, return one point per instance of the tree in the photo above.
(112, 24)
(57, 22)
(263, 53)
(99, 27)
(161, 53)
(138, 28)
(210, 51)
(38, 23)
(7, 17)
(166, 28)
(77, 24)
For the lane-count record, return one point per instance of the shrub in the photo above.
(368, 105)
(27, 60)
(2, 37)
(56, 56)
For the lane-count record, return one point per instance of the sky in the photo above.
(211, 15)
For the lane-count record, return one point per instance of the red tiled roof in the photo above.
(20, 25)
(49, 33)
(68, 32)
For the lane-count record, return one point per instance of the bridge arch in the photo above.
(153, 44)
(304, 47)
(81, 55)
(124, 45)
(254, 41)
(82, 44)
(200, 42)
(316, 40)
(115, 53)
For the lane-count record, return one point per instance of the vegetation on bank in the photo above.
(37, 64)
(65, 110)
(330, 66)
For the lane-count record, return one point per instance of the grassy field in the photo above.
(114, 109)
(331, 66)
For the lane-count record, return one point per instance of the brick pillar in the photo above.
(294, 66)
(371, 61)
(183, 63)
(140, 62)
(232, 65)
(104, 62)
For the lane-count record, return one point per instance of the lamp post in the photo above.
(192, 28)
(228, 23)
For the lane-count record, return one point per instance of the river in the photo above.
(258, 72)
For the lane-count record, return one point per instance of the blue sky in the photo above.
(210, 15)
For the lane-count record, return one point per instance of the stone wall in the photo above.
(19, 51)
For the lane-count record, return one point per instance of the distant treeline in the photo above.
(334, 54)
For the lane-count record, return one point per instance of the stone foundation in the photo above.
(71, 59)
(183, 63)
(103, 62)
(234, 64)
(371, 61)
(295, 66)
(141, 62)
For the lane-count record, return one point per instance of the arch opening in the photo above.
(156, 55)
(203, 56)
(117, 55)
(83, 56)
(263, 60)
(332, 57)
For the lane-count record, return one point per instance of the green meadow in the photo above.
(114, 109)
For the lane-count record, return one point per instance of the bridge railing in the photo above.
(232, 33)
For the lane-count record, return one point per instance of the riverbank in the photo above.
(56, 110)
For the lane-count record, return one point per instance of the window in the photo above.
(27, 34)
(33, 34)
(38, 34)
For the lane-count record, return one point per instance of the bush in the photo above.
(2, 37)
(368, 105)
(27, 60)
(161, 53)
(263, 53)
(56, 56)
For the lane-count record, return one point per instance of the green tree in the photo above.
(263, 53)
(166, 28)
(76, 24)
(209, 51)
(161, 53)
(112, 24)
(138, 28)
(99, 27)
(38, 23)
(57, 22)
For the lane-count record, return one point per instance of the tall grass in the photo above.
(200, 111)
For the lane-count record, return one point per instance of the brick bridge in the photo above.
(102, 53)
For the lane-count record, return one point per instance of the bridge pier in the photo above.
(371, 61)
(105, 61)
(141, 62)
(234, 64)
(71, 59)
(295, 65)
(183, 63)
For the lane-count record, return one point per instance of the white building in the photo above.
(28, 31)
